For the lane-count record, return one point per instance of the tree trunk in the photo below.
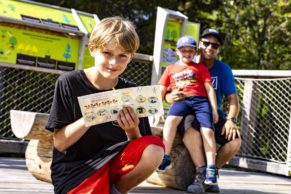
(182, 172)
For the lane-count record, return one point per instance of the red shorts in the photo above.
(100, 181)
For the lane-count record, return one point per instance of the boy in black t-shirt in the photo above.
(111, 157)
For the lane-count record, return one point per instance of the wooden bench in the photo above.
(31, 126)
(38, 154)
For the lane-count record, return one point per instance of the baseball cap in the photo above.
(186, 41)
(213, 32)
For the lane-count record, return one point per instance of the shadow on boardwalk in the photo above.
(14, 178)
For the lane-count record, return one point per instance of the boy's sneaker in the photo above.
(197, 185)
(214, 188)
(166, 164)
(211, 175)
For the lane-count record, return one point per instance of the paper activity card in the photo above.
(103, 107)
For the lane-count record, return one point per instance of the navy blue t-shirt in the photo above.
(222, 82)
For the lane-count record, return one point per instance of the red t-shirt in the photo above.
(188, 78)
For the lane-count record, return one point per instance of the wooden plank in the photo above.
(16, 179)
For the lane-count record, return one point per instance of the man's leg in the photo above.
(227, 151)
(193, 142)
(228, 148)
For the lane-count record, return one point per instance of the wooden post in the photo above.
(288, 160)
(248, 116)
(38, 154)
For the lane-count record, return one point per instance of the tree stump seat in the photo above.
(182, 172)
(38, 155)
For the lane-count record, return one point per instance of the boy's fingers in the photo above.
(127, 118)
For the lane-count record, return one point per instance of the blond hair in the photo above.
(114, 28)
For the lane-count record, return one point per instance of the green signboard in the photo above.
(192, 29)
(33, 13)
(26, 46)
(171, 35)
(88, 21)
(88, 60)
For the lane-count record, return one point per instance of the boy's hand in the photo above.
(215, 117)
(175, 95)
(129, 121)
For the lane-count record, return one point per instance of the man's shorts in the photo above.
(199, 105)
(102, 179)
(190, 121)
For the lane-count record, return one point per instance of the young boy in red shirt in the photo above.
(193, 81)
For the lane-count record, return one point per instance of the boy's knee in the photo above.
(153, 154)
(174, 119)
(207, 132)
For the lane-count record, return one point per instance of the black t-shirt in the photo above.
(98, 145)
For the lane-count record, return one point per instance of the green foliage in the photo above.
(256, 32)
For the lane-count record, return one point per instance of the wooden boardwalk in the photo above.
(14, 179)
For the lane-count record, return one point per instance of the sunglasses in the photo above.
(213, 45)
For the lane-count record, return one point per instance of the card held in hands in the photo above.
(103, 107)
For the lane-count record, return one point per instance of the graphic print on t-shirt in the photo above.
(214, 82)
(185, 78)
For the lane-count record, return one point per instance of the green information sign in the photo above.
(88, 60)
(37, 48)
(33, 13)
(88, 22)
(171, 35)
(192, 29)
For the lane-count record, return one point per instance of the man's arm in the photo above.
(230, 129)
(233, 104)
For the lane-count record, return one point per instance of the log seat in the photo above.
(182, 172)
(38, 155)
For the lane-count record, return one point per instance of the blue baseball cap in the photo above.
(212, 32)
(186, 41)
